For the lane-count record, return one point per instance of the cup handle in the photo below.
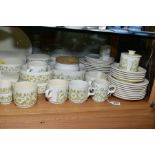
(48, 93)
(29, 70)
(112, 89)
(91, 91)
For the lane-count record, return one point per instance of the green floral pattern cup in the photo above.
(102, 89)
(25, 94)
(5, 86)
(6, 98)
(79, 91)
(41, 88)
(57, 91)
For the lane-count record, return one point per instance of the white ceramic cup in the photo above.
(79, 91)
(102, 89)
(6, 98)
(57, 91)
(37, 66)
(93, 75)
(25, 94)
(5, 86)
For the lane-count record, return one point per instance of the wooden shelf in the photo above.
(130, 114)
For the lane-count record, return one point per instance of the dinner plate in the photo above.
(125, 79)
(15, 40)
(129, 98)
(146, 82)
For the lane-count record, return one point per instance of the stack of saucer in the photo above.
(93, 62)
(129, 78)
(129, 91)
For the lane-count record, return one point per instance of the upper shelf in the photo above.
(142, 34)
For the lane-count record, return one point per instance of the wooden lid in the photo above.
(67, 60)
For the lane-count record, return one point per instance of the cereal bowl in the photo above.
(35, 76)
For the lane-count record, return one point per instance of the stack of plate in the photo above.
(93, 62)
(127, 76)
(129, 91)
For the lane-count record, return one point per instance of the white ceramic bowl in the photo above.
(69, 67)
(69, 75)
(38, 57)
(35, 77)
(10, 67)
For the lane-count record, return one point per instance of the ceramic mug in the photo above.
(102, 89)
(25, 94)
(5, 86)
(37, 66)
(93, 75)
(129, 61)
(57, 91)
(41, 88)
(6, 98)
(79, 91)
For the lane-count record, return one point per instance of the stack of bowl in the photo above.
(37, 70)
(129, 77)
(93, 62)
(69, 68)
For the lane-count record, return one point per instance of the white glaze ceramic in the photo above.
(68, 67)
(102, 89)
(15, 41)
(10, 76)
(129, 91)
(35, 77)
(6, 98)
(129, 61)
(38, 57)
(79, 91)
(10, 67)
(93, 75)
(5, 86)
(69, 75)
(25, 94)
(57, 91)
(37, 66)
(41, 88)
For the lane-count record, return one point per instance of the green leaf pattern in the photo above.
(77, 96)
(35, 78)
(100, 95)
(25, 99)
(67, 77)
(62, 96)
(6, 98)
(134, 66)
(5, 90)
(123, 64)
(9, 68)
(41, 89)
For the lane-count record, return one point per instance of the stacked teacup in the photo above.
(129, 77)
(5, 92)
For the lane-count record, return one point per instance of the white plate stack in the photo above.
(129, 85)
(93, 62)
